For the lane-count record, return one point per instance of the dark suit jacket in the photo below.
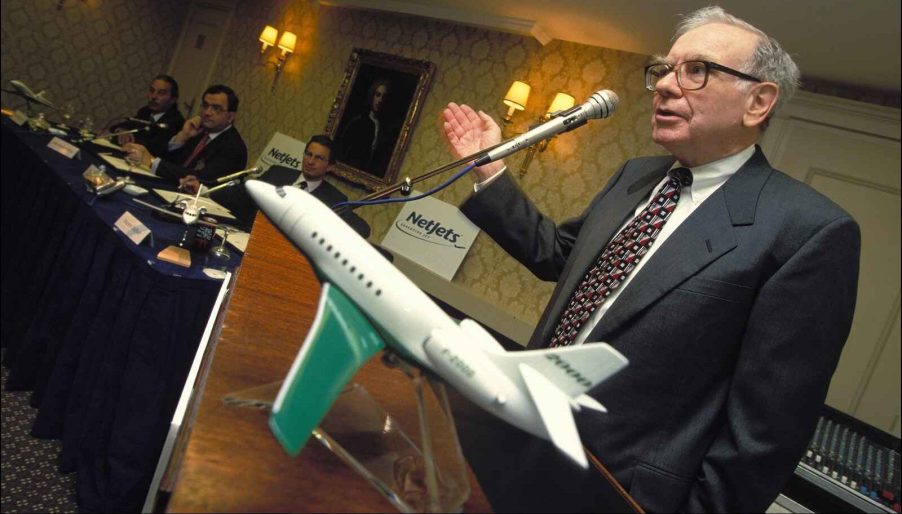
(243, 207)
(225, 154)
(156, 140)
(733, 329)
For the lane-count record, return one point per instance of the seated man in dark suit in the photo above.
(207, 147)
(161, 109)
(318, 161)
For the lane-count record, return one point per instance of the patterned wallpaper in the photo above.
(473, 66)
(102, 70)
(81, 55)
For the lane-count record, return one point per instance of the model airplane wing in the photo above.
(340, 341)
(175, 215)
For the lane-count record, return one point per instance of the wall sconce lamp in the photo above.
(561, 102)
(515, 100)
(286, 44)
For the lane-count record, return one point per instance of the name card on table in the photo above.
(63, 147)
(19, 118)
(133, 229)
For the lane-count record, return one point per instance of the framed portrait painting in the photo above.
(373, 114)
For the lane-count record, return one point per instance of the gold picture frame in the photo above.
(373, 114)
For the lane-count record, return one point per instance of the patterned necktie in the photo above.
(197, 149)
(619, 258)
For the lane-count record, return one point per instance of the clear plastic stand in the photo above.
(429, 477)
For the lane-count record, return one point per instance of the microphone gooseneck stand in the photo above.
(405, 186)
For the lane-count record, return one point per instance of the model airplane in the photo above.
(189, 210)
(25, 92)
(535, 390)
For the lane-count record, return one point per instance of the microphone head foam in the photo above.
(603, 103)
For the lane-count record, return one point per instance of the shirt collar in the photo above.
(311, 184)
(706, 178)
(213, 135)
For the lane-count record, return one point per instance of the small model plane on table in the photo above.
(535, 390)
(20, 89)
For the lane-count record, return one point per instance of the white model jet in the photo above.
(25, 92)
(535, 390)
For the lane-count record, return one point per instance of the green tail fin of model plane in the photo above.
(340, 341)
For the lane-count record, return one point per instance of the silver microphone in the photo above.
(150, 124)
(255, 169)
(600, 105)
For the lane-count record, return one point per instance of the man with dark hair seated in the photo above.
(161, 109)
(317, 163)
(207, 147)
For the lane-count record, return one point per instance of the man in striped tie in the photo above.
(728, 285)
(208, 146)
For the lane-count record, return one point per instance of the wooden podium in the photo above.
(227, 460)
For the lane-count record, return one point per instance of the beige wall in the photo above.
(96, 54)
(472, 65)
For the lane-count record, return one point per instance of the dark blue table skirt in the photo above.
(102, 333)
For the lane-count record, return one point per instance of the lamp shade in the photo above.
(268, 36)
(287, 42)
(561, 102)
(517, 95)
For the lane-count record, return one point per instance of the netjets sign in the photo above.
(433, 234)
(282, 150)
(417, 225)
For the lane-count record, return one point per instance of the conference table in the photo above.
(96, 326)
(104, 334)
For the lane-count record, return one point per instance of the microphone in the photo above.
(600, 105)
(149, 124)
(255, 169)
(220, 186)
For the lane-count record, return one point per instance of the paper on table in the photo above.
(237, 239)
(212, 207)
(106, 143)
(123, 165)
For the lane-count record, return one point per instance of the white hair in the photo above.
(769, 62)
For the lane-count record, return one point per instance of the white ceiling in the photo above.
(848, 42)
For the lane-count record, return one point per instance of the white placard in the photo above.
(123, 165)
(282, 150)
(433, 234)
(106, 143)
(19, 117)
(63, 147)
(132, 227)
(237, 239)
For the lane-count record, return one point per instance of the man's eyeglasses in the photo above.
(690, 75)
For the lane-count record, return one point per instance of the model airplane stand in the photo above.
(422, 471)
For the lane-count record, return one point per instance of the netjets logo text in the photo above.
(431, 231)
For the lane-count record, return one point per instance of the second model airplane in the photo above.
(535, 390)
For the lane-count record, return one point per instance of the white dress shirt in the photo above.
(311, 184)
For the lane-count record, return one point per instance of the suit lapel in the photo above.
(705, 236)
(600, 226)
